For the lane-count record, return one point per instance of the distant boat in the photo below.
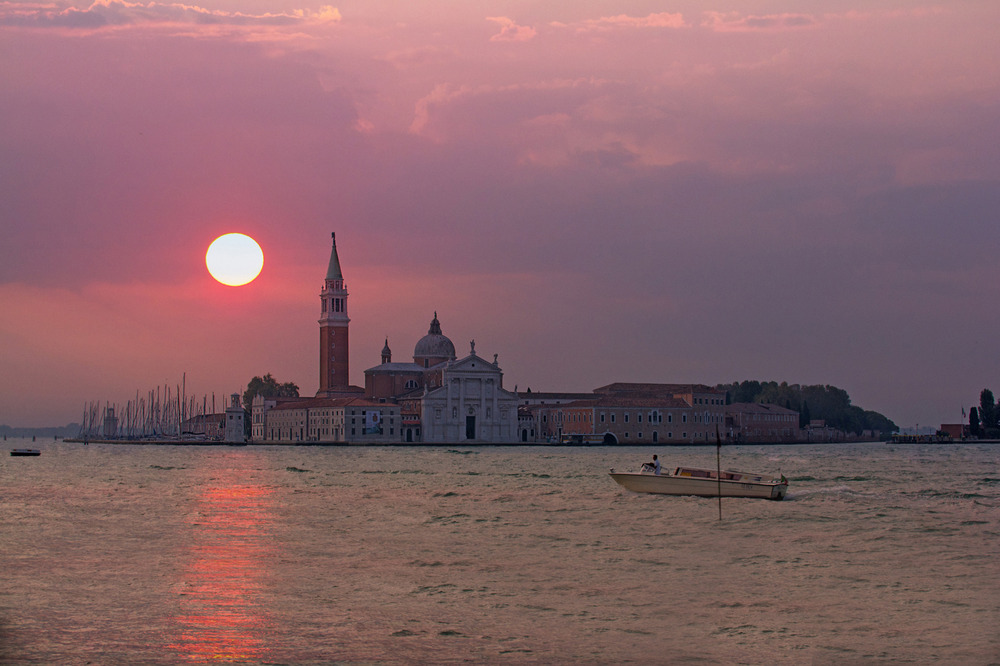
(703, 483)
(25, 452)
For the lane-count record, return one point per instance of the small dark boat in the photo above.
(25, 452)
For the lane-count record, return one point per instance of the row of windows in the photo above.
(654, 417)
(656, 435)
(454, 413)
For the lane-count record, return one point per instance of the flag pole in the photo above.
(718, 467)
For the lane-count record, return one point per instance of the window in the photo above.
(612, 418)
(626, 417)
(602, 417)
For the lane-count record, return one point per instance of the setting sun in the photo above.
(234, 259)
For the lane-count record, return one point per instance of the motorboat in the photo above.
(702, 483)
(25, 452)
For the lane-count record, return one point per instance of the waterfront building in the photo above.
(110, 429)
(471, 404)
(755, 422)
(210, 426)
(235, 425)
(332, 420)
(629, 413)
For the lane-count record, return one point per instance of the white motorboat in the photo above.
(703, 483)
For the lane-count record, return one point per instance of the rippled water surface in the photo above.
(163, 554)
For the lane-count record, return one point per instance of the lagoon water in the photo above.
(185, 554)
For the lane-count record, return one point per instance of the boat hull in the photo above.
(25, 452)
(677, 485)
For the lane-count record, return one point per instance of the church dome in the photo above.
(434, 345)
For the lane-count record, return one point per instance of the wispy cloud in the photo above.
(736, 22)
(118, 13)
(624, 21)
(510, 31)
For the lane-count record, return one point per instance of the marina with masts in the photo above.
(164, 413)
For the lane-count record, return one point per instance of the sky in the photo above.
(595, 191)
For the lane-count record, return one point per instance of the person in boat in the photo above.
(654, 466)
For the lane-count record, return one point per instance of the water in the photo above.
(162, 554)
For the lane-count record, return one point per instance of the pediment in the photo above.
(473, 363)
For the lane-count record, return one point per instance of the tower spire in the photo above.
(333, 328)
(333, 271)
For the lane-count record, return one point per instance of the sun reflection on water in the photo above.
(222, 617)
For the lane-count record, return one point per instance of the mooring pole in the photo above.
(718, 467)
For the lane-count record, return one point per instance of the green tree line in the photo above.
(268, 387)
(985, 421)
(824, 402)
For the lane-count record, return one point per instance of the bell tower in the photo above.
(333, 321)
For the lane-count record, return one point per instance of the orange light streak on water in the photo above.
(222, 618)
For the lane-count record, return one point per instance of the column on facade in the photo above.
(461, 410)
(497, 422)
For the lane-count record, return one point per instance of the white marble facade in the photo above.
(471, 405)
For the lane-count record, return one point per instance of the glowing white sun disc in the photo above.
(234, 259)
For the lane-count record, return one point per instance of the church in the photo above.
(436, 398)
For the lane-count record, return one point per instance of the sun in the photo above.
(234, 259)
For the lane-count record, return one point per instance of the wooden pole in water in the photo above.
(718, 467)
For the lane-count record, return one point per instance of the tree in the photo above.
(268, 387)
(987, 410)
(974, 422)
(821, 402)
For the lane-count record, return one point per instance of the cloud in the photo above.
(510, 31)
(660, 20)
(118, 13)
(734, 22)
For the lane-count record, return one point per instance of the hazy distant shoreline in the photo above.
(70, 430)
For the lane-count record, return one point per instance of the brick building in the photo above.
(754, 422)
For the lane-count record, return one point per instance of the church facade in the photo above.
(471, 405)
(450, 400)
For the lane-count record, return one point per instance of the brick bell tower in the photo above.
(333, 321)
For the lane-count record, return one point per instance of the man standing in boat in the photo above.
(655, 465)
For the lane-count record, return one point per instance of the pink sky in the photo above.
(595, 191)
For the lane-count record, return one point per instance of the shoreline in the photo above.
(170, 442)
